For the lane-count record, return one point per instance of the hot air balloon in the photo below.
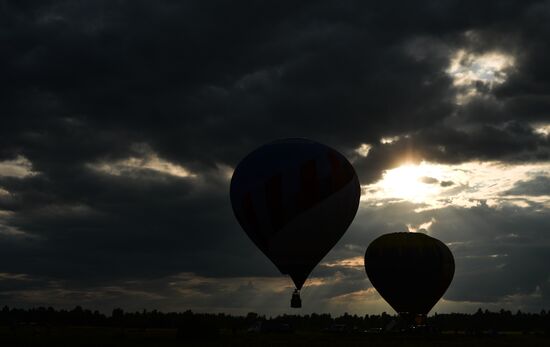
(295, 198)
(411, 271)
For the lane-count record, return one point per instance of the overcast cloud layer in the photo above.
(121, 121)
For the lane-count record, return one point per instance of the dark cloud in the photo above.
(200, 84)
(177, 70)
(538, 186)
(152, 225)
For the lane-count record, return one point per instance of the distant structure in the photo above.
(411, 271)
(295, 198)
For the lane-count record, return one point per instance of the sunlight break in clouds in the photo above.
(542, 129)
(422, 226)
(363, 150)
(354, 262)
(405, 182)
(465, 185)
(468, 70)
(148, 160)
(19, 167)
(388, 140)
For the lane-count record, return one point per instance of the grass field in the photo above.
(94, 336)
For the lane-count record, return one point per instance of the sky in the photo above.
(121, 123)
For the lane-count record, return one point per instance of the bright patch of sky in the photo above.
(542, 129)
(363, 150)
(387, 140)
(226, 171)
(353, 262)
(19, 167)
(147, 160)
(468, 70)
(434, 186)
(422, 226)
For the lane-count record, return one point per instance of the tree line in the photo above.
(482, 320)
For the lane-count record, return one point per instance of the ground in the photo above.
(97, 336)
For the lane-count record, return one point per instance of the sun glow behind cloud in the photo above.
(353, 262)
(387, 140)
(151, 163)
(469, 184)
(543, 129)
(19, 167)
(146, 159)
(363, 150)
(405, 182)
(469, 71)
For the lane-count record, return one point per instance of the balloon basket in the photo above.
(420, 320)
(413, 320)
(296, 301)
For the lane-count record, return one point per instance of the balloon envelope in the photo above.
(411, 271)
(295, 198)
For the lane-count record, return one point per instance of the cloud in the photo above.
(429, 180)
(487, 182)
(147, 160)
(122, 122)
(538, 186)
(18, 167)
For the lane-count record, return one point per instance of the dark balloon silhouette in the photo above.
(295, 198)
(411, 271)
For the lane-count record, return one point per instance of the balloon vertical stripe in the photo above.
(250, 217)
(309, 194)
(274, 200)
(340, 175)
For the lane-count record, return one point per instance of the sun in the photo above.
(411, 182)
(470, 184)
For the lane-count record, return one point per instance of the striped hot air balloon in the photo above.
(295, 198)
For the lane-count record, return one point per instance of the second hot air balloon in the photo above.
(295, 198)
(411, 271)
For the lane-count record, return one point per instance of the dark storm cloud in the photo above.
(236, 74)
(120, 226)
(511, 141)
(201, 83)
